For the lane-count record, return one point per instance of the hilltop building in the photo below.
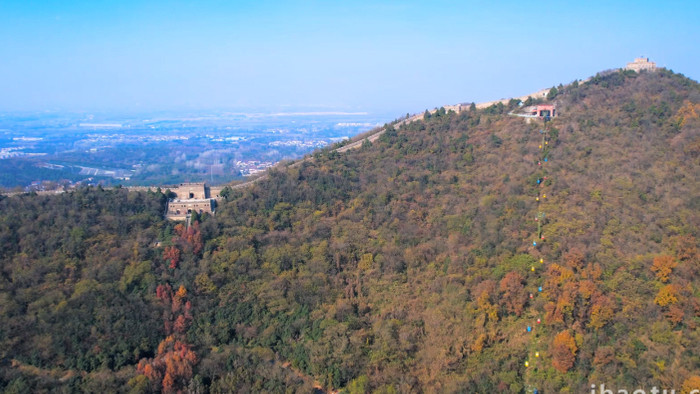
(180, 209)
(544, 111)
(189, 191)
(641, 63)
(192, 197)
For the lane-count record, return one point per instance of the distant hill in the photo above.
(413, 263)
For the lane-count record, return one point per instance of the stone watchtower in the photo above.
(190, 197)
(641, 63)
(188, 191)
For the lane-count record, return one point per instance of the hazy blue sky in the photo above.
(377, 56)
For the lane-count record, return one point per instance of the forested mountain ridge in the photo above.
(406, 265)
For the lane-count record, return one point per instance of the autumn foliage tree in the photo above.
(686, 248)
(561, 289)
(514, 295)
(177, 309)
(601, 311)
(171, 368)
(563, 351)
(484, 300)
(171, 255)
(687, 112)
(663, 266)
(190, 237)
(668, 295)
(690, 384)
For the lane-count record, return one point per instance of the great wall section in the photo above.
(204, 198)
(201, 198)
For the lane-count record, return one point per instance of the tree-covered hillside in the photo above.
(470, 252)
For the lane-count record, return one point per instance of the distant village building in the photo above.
(192, 197)
(641, 63)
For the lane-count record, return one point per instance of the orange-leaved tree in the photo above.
(171, 366)
(171, 254)
(663, 266)
(190, 237)
(690, 384)
(514, 295)
(563, 351)
(601, 311)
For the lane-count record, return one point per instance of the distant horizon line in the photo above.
(219, 112)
